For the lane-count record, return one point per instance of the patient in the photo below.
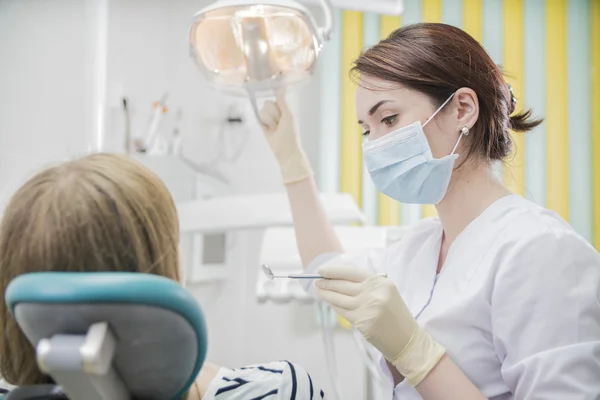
(106, 212)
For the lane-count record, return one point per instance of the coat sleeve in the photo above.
(545, 314)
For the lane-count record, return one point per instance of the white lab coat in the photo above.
(516, 303)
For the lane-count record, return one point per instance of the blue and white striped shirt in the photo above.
(281, 380)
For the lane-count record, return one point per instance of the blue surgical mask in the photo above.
(402, 167)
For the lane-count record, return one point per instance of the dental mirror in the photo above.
(270, 275)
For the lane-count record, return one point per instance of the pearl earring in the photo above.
(465, 131)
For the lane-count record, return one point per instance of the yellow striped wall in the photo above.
(388, 209)
(550, 53)
(472, 21)
(514, 175)
(351, 150)
(556, 109)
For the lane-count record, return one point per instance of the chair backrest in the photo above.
(160, 332)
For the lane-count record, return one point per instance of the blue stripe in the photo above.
(579, 95)
(452, 12)
(261, 368)
(294, 380)
(369, 191)
(492, 33)
(238, 382)
(328, 70)
(534, 93)
(493, 29)
(412, 12)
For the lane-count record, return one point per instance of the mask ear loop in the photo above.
(463, 132)
(439, 109)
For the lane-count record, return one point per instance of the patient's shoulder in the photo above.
(280, 379)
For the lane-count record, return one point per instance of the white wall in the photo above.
(48, 77)
(42, 86)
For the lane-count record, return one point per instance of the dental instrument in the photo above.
(269, 274)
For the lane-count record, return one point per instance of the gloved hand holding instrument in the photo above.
(375, 308)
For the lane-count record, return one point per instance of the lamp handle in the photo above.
(328, 28)
(256, 110)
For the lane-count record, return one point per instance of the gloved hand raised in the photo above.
(373, 305)
(282, 135)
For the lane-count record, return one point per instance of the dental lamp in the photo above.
(256, 48)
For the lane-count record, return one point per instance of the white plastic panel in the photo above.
(254, 211)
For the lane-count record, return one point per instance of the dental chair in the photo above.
(108, 336)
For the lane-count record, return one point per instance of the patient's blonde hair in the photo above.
(102, 212)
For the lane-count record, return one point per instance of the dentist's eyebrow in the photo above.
(376, 106)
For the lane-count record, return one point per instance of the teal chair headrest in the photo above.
(161, 332)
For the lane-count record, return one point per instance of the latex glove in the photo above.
(282, 135)
(373, 305)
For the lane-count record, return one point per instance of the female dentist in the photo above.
(497, 298)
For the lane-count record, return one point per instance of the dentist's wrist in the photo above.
(295, 168)
(419, 357)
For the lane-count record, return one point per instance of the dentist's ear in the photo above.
(467, 106)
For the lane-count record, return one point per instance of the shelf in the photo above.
(256, 211)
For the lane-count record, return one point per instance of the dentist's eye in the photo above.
(366, 133)
(389, 121)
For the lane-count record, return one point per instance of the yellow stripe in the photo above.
(472, 21)
(429, 211)
(388, 209)
(432, 12)
(514, 175)
(556, 110)
(388, 24)
(595, 39)
(351, 139)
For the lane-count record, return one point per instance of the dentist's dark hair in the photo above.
(437, 60)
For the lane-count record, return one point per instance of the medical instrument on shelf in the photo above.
(127, 116)
(159, 109)
(269, 274)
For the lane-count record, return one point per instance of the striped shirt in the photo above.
(281, 380)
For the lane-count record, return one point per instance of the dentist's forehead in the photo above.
(377, 83)
(370, 91)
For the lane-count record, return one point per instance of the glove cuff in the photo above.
(420, 356)
(295, 168)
